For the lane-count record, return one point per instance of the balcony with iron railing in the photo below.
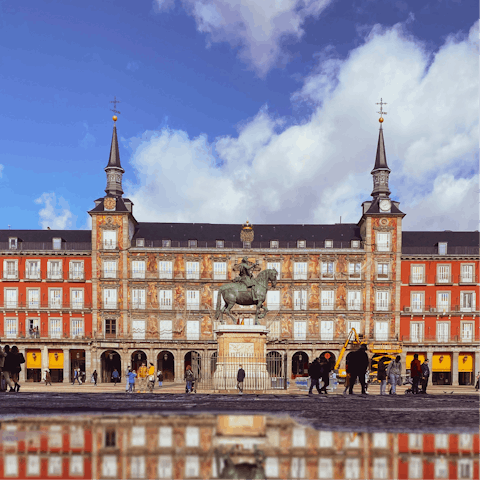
(439, 309)
(45, 305)
(444, 279)
(10, 274)
(441, 338)
(418, 279)
(34, 246)
(253, 245)
(138, 273)
(76, 275)
(33, 275)
(434, 251)
(467, 279)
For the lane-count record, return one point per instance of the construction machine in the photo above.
(389, 350)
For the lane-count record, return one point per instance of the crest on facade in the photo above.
(246, 234)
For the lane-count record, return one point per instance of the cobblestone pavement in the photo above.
(427, 413)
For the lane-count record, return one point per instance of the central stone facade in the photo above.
(241, 345)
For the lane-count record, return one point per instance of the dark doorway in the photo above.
(109, 361)
(213, 363)
(138, 357)
(329, 357)
(441, 378)
(195, 361)
(300, 365)
(166, 363)
(77, 360)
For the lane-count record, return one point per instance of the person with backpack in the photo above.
(394, 372)
(415, 373)
(189, 378)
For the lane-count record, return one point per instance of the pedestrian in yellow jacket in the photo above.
(142, 378)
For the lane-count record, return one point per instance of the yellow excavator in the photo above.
(379, 350)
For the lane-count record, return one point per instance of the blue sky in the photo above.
(239, 109)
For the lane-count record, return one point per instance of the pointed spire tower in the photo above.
(380, 171)
(114, 169)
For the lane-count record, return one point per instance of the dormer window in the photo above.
(247, 244)
(328, 243)
(274, 244)
(442, 248)
(140, 242)
(355, 243)
(166, 243)
(220, 244)
(57, 243)
(192, 244)
(12, 243)
(301, 244)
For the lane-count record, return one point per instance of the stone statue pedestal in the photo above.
(244, 345)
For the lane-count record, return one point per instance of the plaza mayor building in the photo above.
(130, 291)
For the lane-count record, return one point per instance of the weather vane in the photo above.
(114, 109)
(381, 112)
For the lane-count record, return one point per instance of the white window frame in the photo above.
(417, 331)
(353, 324)
(328, 269)
(12, 243)
(11, 327)
(215, 296)
(165, 466)
(54, 270)
(273, 300)
(55, 327)
(110, 298)
(354, 300)
(417, 301)
(77, 298)
(32, 273)
(326, 329)
(355, 270)
(467, 301)
(300, 270)
(10, 297)
(165, 269)
(444, 273)
(467, 273)
(328, 243)
(77, 327)
(76, 270)
(165, 299)
(464, 468)
(55, 298)
(10, 273)
(109, 269)
(137, 437)
(166, 243)
(327, 300)
(381, 275)
(417, 273)
(192, 243)
(301, 244)
(274, 243)
(56, 243)
(192, 329)
(109, 239)
(443, 301)
(192, 299)
(383, 241)
(138, 299)
(192, 270)
(140, 242)
(219, 270)
(220, 243)
(166, 330)
(33, 298)
(275, 266)
(139, 328)
(300, 299)
(299, 330)
(466, 331)
(274, 329)
(415, 466)
(355, 244)
(442, 248)
(382, 300)
(443, 331)
(381, 331)
(138, 268)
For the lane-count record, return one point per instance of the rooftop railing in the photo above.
(29, 246)
(434, 251)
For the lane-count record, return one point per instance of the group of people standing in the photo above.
(146, 378)
(11, 360)
(319, 369)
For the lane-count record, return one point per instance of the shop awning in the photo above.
(442, 362)
(55, 359)
(34, 358)
(465, 362)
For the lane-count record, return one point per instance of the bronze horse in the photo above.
(233, 293)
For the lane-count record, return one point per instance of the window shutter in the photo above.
(166, 332)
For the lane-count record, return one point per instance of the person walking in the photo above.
(151, 377)
(76, 376)
(325, 375)
(382, 375)
(115, 377)
(95, 377)
(131, 380)
(127, 384)
(394, 372)
(189, 379)
(415, 373)
(142, 378)
(240, 379)
(425, 375)
(160, 378)
(48, 377)
(7, 366)
(15, 366)
(358, 365)
(348, 376)
(314, 373)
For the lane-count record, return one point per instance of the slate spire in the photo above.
(114, 169)
(380, 171)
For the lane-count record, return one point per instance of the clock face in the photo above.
(385, 205)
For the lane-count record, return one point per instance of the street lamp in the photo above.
(165, 356)
(139, 355)
(78, 355)
(110, 355)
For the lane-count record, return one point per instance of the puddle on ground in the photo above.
(147, 446)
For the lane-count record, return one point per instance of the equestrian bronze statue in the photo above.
(246, 290)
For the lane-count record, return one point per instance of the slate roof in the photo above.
(431, 239)
(120, 207)
(114, 159)
(381, 157)
(47, 235)
(375, 207)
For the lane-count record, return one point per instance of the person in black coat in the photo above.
(7, 368)
(325, 374)
(240, 379)
(314, 372)
(357, 366)
(14, 364)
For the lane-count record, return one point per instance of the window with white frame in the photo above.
(299, 437)
(138, 298)
(466, 274)
(76, 465)
(33, 298)
(273, 300)
(352, 468)
(11, 297)
(192, 436)
(55, 298)
(140, 242)
(274, 243)
(219, 270)
(55, 326)
(382, 271)
(76, 298)
(110, 298)
(443, 301)
(467, 332)
(301, 244)
(138, 269)
(166, 243)
(137, 438)
(220, 243)
(355, 244)
(325, 468)
(415, 441)
(193, 330)
(271, 467)
(326, 330)
(274, 329)
(192, 243)
(443, 331)
(417, 301)
(380, 468)
(165, 466)
(441, 441)
(33, 327)
(327, 299)
(33, 465)
(137, 466)
(328, 243)
(55, 436)
(274, 266)
(464, 468)
(443, 273)
(192, 466)
(380, 440)
(353, 324)
(215, 296)
(32, 270)
(76, 270)
(10, 269)
(381, 331)
(166, 330)
(165, 269)
(109, 269)
(109, 466)
(247, 244)
(109, 239)
(416, 331)
(165, 299)
(299, 300)
(11, 328)
(382, 300)
(354, 300)
(300, 271)
(354, 270)
(467, 301)
(325, 439)
(417, 274)
(77, 328)
(54, 269)
(442, 248)
(12, 243)
(54, 465)
(441, 467)
(465, 441)
(328, 269)
(383, 242)
(298, 467)
(193, 270)
(138, 329)
(57, 243)
(165, 436)
(299, 330)
(193, 300)
(415, 467)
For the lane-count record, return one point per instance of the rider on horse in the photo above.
(245, 276)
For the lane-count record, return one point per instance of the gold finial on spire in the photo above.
(114, 109)
(381, 112)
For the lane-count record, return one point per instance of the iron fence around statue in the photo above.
(220, 373)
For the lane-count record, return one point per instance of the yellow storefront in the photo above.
(55, 364)
(421, 357)
(442, 369)
(34, 365)
(466, 368)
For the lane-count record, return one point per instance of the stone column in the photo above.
(404, 362)
(23, 374)
(455, 368)
(66, 365)
(44, 359)
(88, 360)
(179, 365)
(476, 366)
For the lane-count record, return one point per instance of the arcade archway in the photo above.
(166, 363)
(110, 360)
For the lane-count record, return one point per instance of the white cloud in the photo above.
(1, 170)
(320, 170)
(256, 27)
(56, 217)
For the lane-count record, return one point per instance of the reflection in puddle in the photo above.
(223, 446)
